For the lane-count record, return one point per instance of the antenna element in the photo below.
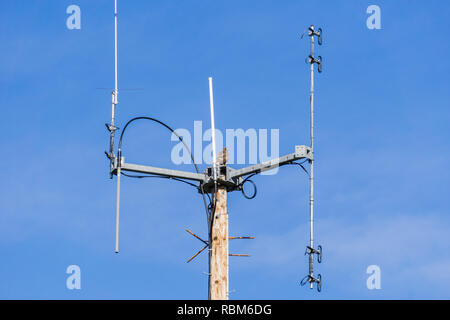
(310, 249)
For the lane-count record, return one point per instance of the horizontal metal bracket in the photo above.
(200, 177)
(301, 152)
(228, 177)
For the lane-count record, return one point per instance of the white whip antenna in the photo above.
(213, 128)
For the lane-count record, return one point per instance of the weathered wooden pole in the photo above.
(218, 285)
(218, 259)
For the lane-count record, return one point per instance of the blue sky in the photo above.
(382, 148)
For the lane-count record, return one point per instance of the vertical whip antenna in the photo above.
(116, 91)
(113, 129)
(114, 101)
(118, 207)
(213, 128)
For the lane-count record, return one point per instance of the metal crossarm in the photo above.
(163, 172)
(301, 152)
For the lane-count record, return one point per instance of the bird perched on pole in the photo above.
(222, 157)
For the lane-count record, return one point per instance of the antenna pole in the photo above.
(310, 249)
(113, 129)
(311, 174)
(116, 91)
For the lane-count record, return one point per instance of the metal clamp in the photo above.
(312, 31)
(111, 129)
(310, 250)
(318, 33)
(318, 61)
(311, 279)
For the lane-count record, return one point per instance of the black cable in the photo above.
(213, 207)
(209, 198)
(247, 179)
(179, 138)
(301, 165)
(254, 188)
(161, 177)
(253, 174)
(212, 212)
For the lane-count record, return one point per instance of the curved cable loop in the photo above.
(179, 138)
(241, 186)
(254, 188)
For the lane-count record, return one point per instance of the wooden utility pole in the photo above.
(218, 285)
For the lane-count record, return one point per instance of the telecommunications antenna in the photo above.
(217, 181)
(112, 129)
(114, 103)
(310, 250)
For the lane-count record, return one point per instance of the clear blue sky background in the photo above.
(382, 146)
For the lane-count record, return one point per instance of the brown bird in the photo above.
(222, 157)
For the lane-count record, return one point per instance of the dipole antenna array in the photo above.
(217, 181)
(310, 250)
